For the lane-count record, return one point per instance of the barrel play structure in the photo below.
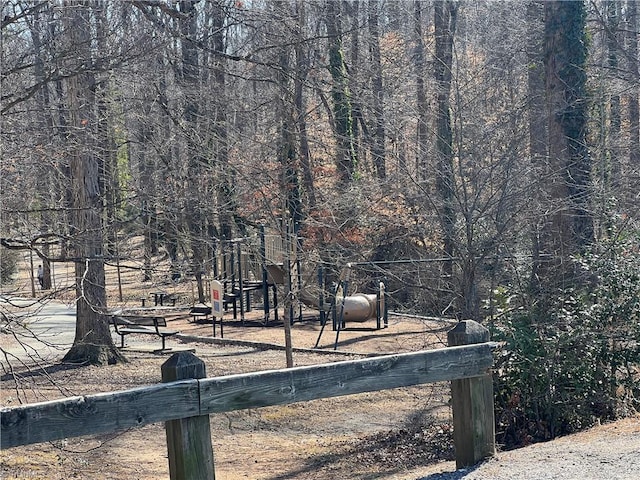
(359, 307)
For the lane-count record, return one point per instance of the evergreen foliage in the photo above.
(575, 362)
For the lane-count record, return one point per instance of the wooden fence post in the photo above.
(188, 439)
(472, 402)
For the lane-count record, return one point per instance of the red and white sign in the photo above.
(216, 299)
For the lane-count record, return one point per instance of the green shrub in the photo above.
(575, 361)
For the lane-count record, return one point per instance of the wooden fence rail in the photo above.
(197, 397)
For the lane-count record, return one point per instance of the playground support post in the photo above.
(338, 321)
(240, 293)
(382, 312)
(265, 275)
(323, 315)
(288, 295)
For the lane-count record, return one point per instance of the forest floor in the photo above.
(395, 434)
(391, 434)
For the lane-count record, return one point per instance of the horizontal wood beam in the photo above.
(114, 411)
(99, 413)
(279, 387)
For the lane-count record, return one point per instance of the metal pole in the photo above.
(265, 275)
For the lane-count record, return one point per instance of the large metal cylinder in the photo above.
(359, 307)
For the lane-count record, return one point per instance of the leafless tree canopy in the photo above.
(488, 142)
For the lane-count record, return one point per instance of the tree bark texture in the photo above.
(445, 25)
(195, 162)
(422, 140)
(346, 159)
(568, 226)
(302, 70)
(378, 149)
(286, 147)
(45, 140)
(538, 139)
(93, 342)
(634, 101)
(226, 198)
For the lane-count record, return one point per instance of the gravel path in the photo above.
(607, 452)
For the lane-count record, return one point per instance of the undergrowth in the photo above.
(573, 362)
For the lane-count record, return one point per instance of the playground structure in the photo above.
(245, 267)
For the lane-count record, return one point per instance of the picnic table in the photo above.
(160, 297)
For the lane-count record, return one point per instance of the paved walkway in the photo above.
(43, 330)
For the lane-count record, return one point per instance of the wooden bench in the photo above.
(200, 312)
(128, 324)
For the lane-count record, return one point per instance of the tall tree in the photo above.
(196, 162)
(378, 149)
(537, 123)
(226, 196)
(105, 128)
(349, 19)
(633, 31)
(615, 122)
(346, 159)
(445, 14)
(302, 71)
(44, 134)
(568, 226)
(286, 151)
(422, 106)
(92, 343)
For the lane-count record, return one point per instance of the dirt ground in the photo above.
(394, 434)
(401, 434)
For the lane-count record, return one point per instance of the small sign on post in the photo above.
(216, 299)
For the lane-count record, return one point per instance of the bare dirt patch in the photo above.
(390, 434)
(396, 434)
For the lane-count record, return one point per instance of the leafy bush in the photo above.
(573, 362)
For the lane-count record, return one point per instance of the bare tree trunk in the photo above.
(445, 25)
(169, 225)
(227, 207)
(568, 228)
(286, 144)
(422, 140)
(350, 10)
(634, 102)
(537, 125)
(106, 152)
(146, 186)
(93, 343)
(45, 139)
(302, 69)
(615, 123)
(195, 170)
(346, 159)
(378, 151)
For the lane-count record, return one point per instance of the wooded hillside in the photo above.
(496, 144)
